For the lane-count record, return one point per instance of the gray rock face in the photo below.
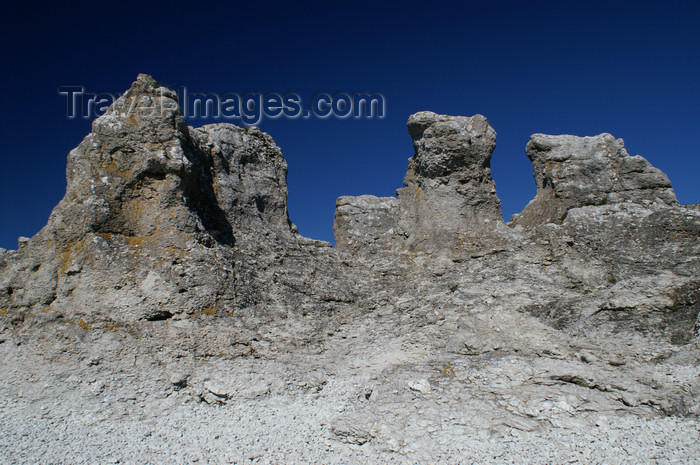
(449, 197)
(449, 191)
(573, 172)
(169, 304)
(162, 220)
(365, 224)
(249, 176)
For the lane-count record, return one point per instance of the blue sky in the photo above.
(628, 68)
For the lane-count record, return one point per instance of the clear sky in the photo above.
(628, 68)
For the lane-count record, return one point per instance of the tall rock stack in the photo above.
(449, 200)
(450, 195)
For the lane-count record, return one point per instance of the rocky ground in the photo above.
(169, 312)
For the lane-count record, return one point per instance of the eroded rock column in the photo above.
(449, 201)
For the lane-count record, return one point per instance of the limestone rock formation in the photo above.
(365, 224)
(449, 190)
(163, 220)
(169, 312)
(449, 199)
(619, 216)
(573, 172)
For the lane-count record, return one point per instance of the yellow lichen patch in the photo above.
(135, 241)
(3, 311)
(114, 169)
(682, 235)
(84, 325)
(171, 250)
(447, 371)
(111, 326)
(143, 214)
(68, 252)
(134, 209)
(209, 310)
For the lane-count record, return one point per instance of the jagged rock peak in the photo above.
(146, 106)
(142, 169)
(162, 220)
(137, 172)
(572, 172)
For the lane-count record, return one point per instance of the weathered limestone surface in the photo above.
(573, 172)
(449, 199)
(163, 220)
(170, 313)
(365, 224)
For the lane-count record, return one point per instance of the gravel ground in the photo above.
(47, 417)
(286, 430)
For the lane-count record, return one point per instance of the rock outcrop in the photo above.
(365, 224)
(162, 220)
(169, 293)
(449, 199)
(449, 191)
(617, 217)
(573, 172)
